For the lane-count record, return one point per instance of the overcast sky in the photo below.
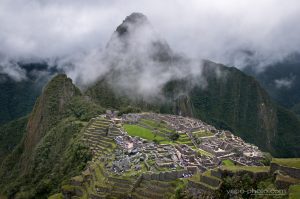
(213, 29)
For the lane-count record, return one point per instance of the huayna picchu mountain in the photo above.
(223, 96)
(156, 132)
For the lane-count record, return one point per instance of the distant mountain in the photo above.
(18, 97)
(281, 80)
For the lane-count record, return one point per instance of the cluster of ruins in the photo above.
(134, 152)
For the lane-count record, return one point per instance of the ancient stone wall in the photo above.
(164, 176)
(254, 175)
(137, 182)
(291, 171)
(280, 184)
(210, 181)
(198, 186)
(216, 174)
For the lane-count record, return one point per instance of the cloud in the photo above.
(137, 61)
(284, 83)
(232, 32)
(12, 70)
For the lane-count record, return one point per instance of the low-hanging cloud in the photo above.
(75, 32)
(136, 61)
(284, 83)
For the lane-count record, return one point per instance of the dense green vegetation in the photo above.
(83, 109)
(18, 97)
(287, 143)
(287, 69)
(239, 186)
(294, 192)
(51, 150)
(11, 135)
(58, 156)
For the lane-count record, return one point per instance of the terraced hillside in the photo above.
(99, 136)
(99, 179)
(95, 181)
(154, 189)
(205, 184)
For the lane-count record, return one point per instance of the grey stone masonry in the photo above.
(164, 176)
(291, 171)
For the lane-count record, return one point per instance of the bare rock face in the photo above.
(49, 109)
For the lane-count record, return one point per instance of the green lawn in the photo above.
(155, 124)
(202, 152)
(246, 168)
(289, 162)
(184, 139)
(228, 163)
(135, 130)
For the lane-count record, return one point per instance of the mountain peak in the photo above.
(49, 108)
(134, 19)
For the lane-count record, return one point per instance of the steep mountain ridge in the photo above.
(50, 150)
(49, 108)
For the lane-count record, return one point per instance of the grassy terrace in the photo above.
(202, 133)
(184, 139)
(161, 126)
(135, 130)
(294, 192)
(287, 178)
(246, 168)
(227, 163)
(206, 153)
(289, 162)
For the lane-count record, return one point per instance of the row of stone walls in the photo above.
(216, 174)
(206, 148)
(254, 175)
(198, 187)
(210, 181)
(293, 172)
(164, 176)
(137, 182)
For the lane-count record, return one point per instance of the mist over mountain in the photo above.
(19, 93)
(71, 34)
(66, 144)
(281, 80)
